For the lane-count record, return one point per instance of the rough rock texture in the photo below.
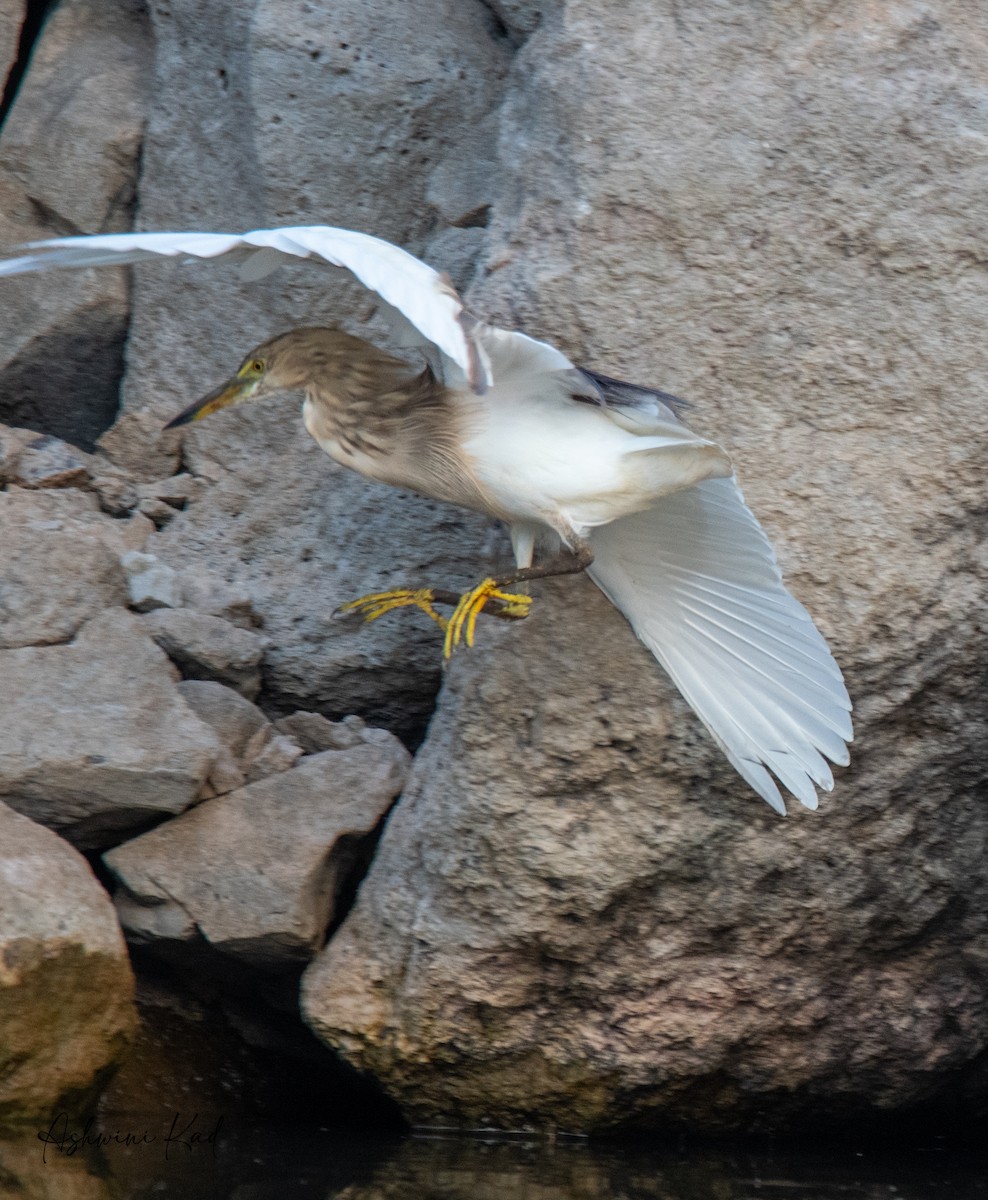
(671, 950)
(11, 19)
(61, 565)
(66, 987)
(205, 647)
(245, 92)
(95, 740)
(256, 874)
(578, 915)
(69, 158)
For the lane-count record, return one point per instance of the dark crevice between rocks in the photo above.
(66, 382)
(200, 1046)
(387, 698)
(230, 1034)
(36, 13)
(353, 856)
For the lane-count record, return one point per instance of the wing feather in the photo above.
(698, 581)
(425, 297)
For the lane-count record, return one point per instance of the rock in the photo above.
(95, 740)
(48, 462)
(230, 715)
(314, 733)
(649, 949)
(60, 565)
(210, 593)
(301, 551)
(11, 20)
(206, 647)
(138, 445)
(152, 584)
(255, 749)
(117, 492)
(257, 873)
(775, 217)
(66, 988)
(268, 753)
(11, 447)
(68, 164)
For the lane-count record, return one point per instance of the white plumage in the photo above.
(552, 448)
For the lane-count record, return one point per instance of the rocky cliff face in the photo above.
(577, 914)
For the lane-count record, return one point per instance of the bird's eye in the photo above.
(257, 366)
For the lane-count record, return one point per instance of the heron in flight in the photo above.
(602, 476)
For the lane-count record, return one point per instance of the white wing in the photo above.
(421, 295)
(698, 581)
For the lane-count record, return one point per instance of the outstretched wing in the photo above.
(698, 581)
(421, 295)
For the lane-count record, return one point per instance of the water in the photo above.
(207, 1156)
(193, 1113)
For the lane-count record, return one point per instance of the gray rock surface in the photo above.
(69, 158)
(48, 462)
(231, 716)
(95, 740)
(66, 987)
(578, 913)
(742, 216)
(61, 565)
(207, 647)
(256, 874)
(11, 19)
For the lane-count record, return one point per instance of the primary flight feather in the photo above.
(603, 471)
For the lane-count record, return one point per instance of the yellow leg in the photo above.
(376, 604)
(463, 619)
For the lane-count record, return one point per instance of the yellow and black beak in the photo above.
(234, 391)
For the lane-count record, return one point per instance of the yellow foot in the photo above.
(463, 619)
(376, 604)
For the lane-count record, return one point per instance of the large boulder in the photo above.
(69, 159)
(579, 915)
(66, 989)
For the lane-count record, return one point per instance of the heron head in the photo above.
(286, 363)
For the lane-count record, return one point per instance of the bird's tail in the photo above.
(698, 581)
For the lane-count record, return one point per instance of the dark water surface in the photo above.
(192, 1158)
(190, 1115)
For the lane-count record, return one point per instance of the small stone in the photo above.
(117, 493)
(268, 753)
(230, 715)
(207, 647)
(48, 462)
(159, 511)
(176, 490)
(11, 446)
(152, 583)
(137, 443)
(314, 732)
